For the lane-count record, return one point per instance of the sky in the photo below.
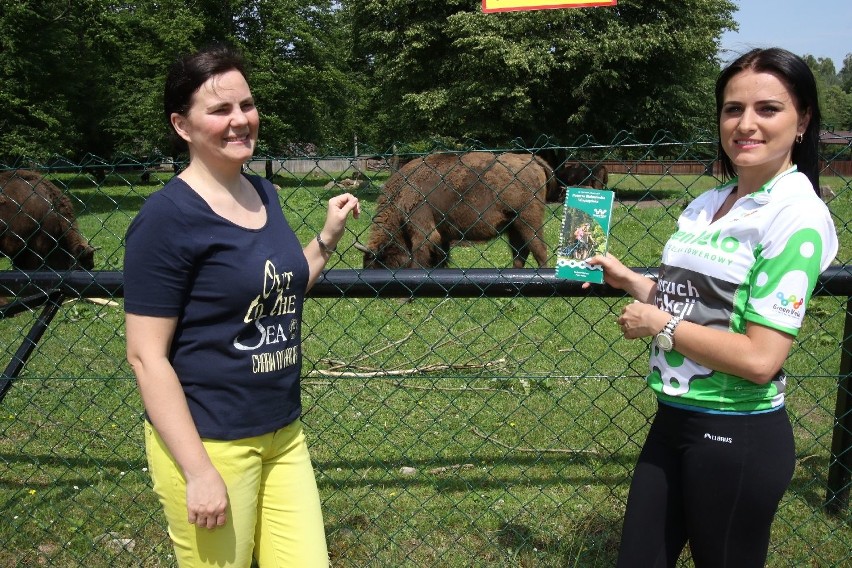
(822, 28)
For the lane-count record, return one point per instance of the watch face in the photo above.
(664, 342)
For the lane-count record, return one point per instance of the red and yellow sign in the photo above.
(516, 5)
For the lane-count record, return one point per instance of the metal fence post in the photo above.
(840, 462)
(16, 365)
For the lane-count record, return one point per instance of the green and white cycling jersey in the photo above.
(759, 263)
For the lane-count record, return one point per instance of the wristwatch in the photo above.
(665, 339)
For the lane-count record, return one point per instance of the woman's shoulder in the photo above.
(170, 206)
(794, 185)
(168, 219)
(794, 196)
(795, 208)
(172, 193)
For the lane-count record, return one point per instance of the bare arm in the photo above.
(148, 341)
(757, 355)
(641, 288)
(335, 221)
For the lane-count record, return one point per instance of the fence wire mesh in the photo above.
(456, 429)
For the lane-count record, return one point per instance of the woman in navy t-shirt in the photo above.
(215, 281)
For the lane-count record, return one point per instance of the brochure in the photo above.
(585, 232)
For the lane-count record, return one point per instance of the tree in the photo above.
(823, 70)
(836, 107)
(85, 76)
(447, 69)
(298, 55)
(834, 100)
(40, 61)
(137, 48)
(845, 74)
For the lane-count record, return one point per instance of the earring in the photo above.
(799, 137)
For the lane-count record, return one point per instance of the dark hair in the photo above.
(188, 73)
(791, 70)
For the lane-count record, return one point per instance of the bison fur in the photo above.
(436, 200)
(38, 228)
(577, 175)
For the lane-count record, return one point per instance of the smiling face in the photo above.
(222, 123)
(758, 125)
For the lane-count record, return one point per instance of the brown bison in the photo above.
(37, 225)
(436, 200)
(577, 175)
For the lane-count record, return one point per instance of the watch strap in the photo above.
(670, 326)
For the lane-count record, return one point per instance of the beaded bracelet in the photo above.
(324, 247)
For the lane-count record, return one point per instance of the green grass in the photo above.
(521, 418)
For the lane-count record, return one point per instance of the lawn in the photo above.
(445, 431)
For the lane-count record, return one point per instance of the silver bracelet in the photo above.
(324, 247)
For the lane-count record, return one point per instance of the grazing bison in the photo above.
(577, 175)
(436, 200)
(37, 225)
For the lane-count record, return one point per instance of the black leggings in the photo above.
(713, 480)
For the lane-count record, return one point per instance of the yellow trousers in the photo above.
(274, 507)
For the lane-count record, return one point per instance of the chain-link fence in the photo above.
(469, 414)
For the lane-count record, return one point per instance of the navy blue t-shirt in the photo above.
(238, 295)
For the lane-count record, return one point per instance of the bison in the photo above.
(37, 225)
(439, 199)
(577, 175)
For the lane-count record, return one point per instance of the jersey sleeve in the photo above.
(157, 260)
(800, 243)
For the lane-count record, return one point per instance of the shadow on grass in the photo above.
(448, 476)
(593, 541)
(94, 201)
(586, 541)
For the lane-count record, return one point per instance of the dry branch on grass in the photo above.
(97, 301)
(406, 372)
(454, 467)
(493, 440)
(356, 369)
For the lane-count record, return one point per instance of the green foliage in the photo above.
(36, 78)
(845, 74)
(835, 91)
(139, 48)
(85, 77)
(823, 70)
(452, 70)
(836, 107)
